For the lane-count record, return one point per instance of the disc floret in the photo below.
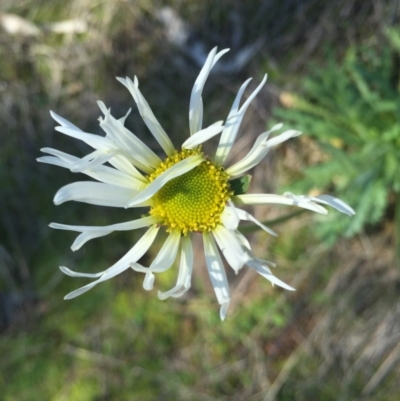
(193, 201)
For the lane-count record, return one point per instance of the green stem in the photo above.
(253, 227)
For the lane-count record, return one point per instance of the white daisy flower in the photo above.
(187, 193)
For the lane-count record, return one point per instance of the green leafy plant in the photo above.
(352, 109)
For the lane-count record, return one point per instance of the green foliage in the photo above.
(352, 108)
(240, 185)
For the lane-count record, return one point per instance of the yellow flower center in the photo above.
(193, 201)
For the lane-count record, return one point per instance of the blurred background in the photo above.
(334, 70)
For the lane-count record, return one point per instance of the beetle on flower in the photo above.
(187, 193)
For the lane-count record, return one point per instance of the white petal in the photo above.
(230, 217)
(71, 273)
(123, 119)
(101, 173)
(175, 171)
(183, 282)
(196, 102)
(148, 116)
(216, 271)
(126, 226)
(81, 239)
(223, 310)
(264, 199)
(95, 193)
(132, 256)
(90, 232)
(124, 165)
(259, 150)
(63, 121)
(204, 135)
(264, 271)
(165, 257)
(230, 246)
(61, 155)
(336, 203)
(95, 141)
(92, 160)
(233, 122)
(138, 153)
(113, 176)
(148, 282)
(243, 215)
(55, 161)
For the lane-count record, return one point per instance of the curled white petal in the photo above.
(92, 160)
(263, 270)
(137, 152)
(95, 141)
(91, 232)
(63, 121)
(234, 120)
(176, 170)
(148, 116)
(259, 150)
(165, 258)
(183, 282)
(196, 102)
(101, 173)
(138, 250)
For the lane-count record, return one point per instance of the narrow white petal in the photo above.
(234, 120)
(148, 116)
(336, 203)
(216, 271)
(126, 226)
(63, 121)
(243, 215)
(61, 155)
(81, 239)
(55, 161)
(203, 135)
(223, 310)
(101, 173)
(139, 154)
(148, 282)
(259, 150)
(95, 141)
(264, 271)
(175, 171)
(230, 246)
(71, 273)
(196, 102)
(91, 232)
(140, 248)
(123, 119)
(264, 199)
(112, 176)
(183, 282)
(165, 258)
(92, 160)
(95, 193)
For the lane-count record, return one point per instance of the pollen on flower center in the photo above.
(193, 201)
